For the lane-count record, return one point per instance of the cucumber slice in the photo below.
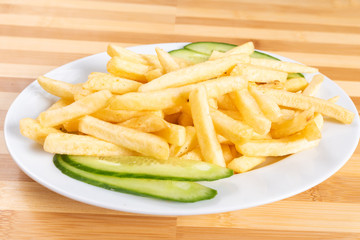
(164, 189)
(209, 47)
(189, 55)
(147, 167)
(295, 75)
(257, 54)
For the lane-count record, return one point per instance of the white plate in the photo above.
(277, 181)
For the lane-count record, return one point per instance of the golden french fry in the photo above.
(166, 61)
(267, 105)
(144, 143)
(172, 110)
(250, 111)
(82, 107)
(224, 102)
(194, 154)
(334, 99)
(81, 93)
(311, 131)
(172, 118)
(173, 97)
(152, 60)
(319, 120)
(146, 123)
(123, 53)
(185, 120)
(72, 144)
(213, 103)
(299, 101)
(244, 163)
(275, 147)
(193, 74)
(282, 66)
(103, 81)
(313, 86)
(117, 116)
(205, 131)
(60, 103)
(289, 127)
(153, 74)
(286, 114)
(295, 84)
(226, 153)
(230, 128)
(258, 74)
(222, 140)
(58, 88)
(173, 134)
(71, 126)
(32, 129)
(126, 69)
(234, 153)
(216, 55)
(189, 144)
(246, 48)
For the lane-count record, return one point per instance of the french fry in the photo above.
(246, 48)
(185, 120)
(275, 147)
(267, 105)
(82, 107)
(172, 118)
(126, 69)
(144, 143)
(286, 114)
(216, 55)
(282, 66)
(117, 116)
(146, 123)
(313, 86)
(319, 120)
(172, 110)
(205, 131)
(311, 131)
(81, 93)
(250, 111)
(60, 103)
(166, 61)
(334, 99)
(225, 102)
(244, 163)
(193, 74)
(222, 140)
(189, 144)
(213, 103)
(230, 128)
(58, 88)
(299, 101)
(194, 154)
(226, 153)
(295, 84)
(32, 129)
(103, 81)
(125, 54)
(153, 74)
(259, 74)
(71, 126)
(173, 97)
(152, 60)
(292, 126)
(173, 134)
(72, 144)
(234, 153)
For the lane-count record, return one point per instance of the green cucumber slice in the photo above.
(147, 167)
(164, 189)
(189, 55)
(257, 54)
(209, 47)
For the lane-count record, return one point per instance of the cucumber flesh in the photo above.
(164, 189)
(189, 55)
(209, 47)
(147, 167)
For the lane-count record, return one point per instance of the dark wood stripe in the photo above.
(356, 101)
(9, 171)
(148, 38)
(86, 13)
(347, 74)
(216, 21)
(12, 84)
(66, 226)
(146, 2)
(197, 233)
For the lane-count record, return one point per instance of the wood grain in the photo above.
(39, 35)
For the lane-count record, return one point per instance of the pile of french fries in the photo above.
(232, 110)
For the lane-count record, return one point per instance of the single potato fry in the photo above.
(216, 55)
(194, 154)
(226, 153)
(60, 103)
(126, 69)
(82, 107)
(244, 163)
(250, 111)
(313, 86)
(258, 74)
(144, 143)
(205, 131)
(72, 126)
(58, 88)
(189, 144)
(193, 74)
(125, 54)
(299, 101)
(282, 66)
(173, 134)
(173, 97)
(166, 61)
(295, 84)
(152, 61)
(311, 132)
(117, 116)
(103, 81)
(32, 129)
(275, 147)
(224, 102)
(153, 74)
(246, 48)
(145, 123)
(72, 144)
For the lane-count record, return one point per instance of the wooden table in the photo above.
(39, 35)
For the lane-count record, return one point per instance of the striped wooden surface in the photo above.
(39, 35)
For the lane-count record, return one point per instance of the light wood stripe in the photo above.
(11, 84)
(27, 70)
